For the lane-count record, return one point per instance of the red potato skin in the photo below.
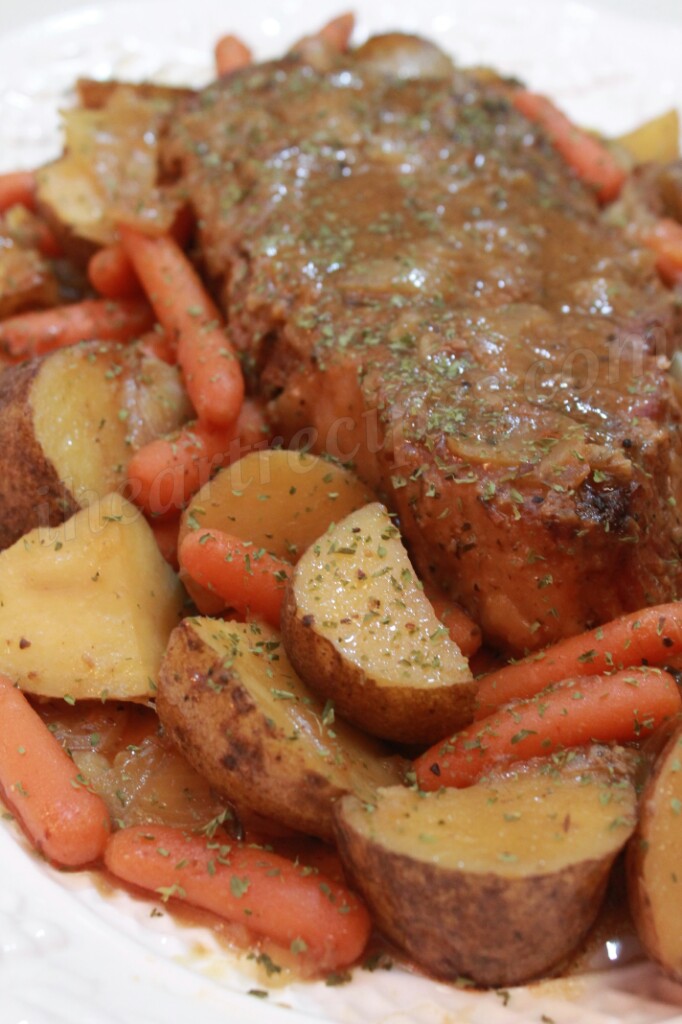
(536, 921)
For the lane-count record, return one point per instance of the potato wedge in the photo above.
(653, 860)
(231, 702)
(360, 632)
(280, 500)
(86, 608)
(497, 883)
(68, 424)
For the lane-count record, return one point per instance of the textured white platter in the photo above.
(68, 953)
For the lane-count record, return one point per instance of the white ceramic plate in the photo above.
(70, 954)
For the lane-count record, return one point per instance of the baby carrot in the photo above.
(247, 578)
(590, 159)
(462, 629)
(164, 474)
(231, 54)
(67, 823)
(665, 238)
(35, 333)
(210, 366)
(166, 536)
(315, 917)
(111, 273)
(337, 32)
(17, 187)
(157, 343)
(622, 707)
(647, 637)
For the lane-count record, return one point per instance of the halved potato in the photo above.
(86, 607)
(654, 868)
(497, 883)
(280, 500)
(69, 423)
(360, 632)
(232, 703)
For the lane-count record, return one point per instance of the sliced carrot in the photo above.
(315, 917)
(67, 823)
(592, 161)
(648, 637)
(111, 273)
(164, 474)
(248, 579)
(35, 333)
(619, 708)
(231, 54)
(337, 32)
(665, 238)
(462, 629)
(17, 187)
(210, 366)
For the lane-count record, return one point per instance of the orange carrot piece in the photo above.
(248, 579)
(650, 636)
(33, 334)
(17, 187)
(231, 54)
(157, 343)
(111, 273)
(46, 241)
(337, 32)
(67, 823)
(164, 474)
(315, 917)
(166, 536)
(210, 366)
(665, 238)
(462, 629)
(592, 161)
(620, 708)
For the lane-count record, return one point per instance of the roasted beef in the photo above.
(420, 285)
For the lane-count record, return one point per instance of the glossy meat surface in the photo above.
(419, 285)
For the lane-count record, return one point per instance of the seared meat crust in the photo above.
(418, 284)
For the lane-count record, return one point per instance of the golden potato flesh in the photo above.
(232, 703)
(280, 500)
(26, 280)
(69, 423)
(86, 607)
(497, 883)
(109, 171)
(657, 139)
(655, 861)
(360, 632)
